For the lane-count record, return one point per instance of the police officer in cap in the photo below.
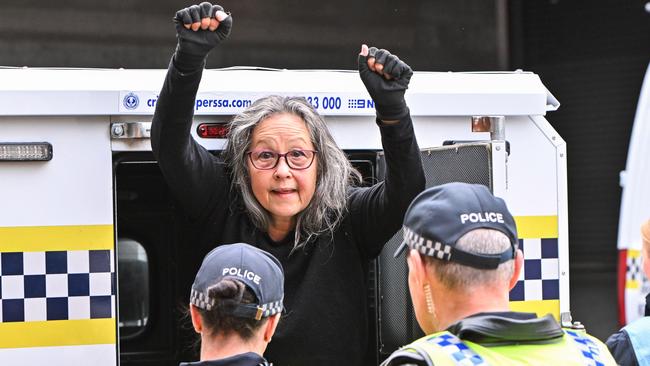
(463, 260)
(235, 304)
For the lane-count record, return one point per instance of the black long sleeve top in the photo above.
(325, 319)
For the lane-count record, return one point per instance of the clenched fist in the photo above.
(386, 78)
(199, 29)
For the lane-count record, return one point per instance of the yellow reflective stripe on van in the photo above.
(540, 307)
(57, 333)
(532, 227)
(53, 238)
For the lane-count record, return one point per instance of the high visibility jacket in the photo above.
(445, 349)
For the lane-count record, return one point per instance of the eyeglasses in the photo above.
(295, 159)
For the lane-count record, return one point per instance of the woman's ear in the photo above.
(197, 322)
(271, 325)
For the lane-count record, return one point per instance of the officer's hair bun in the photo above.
(227, 289)
(226, 294)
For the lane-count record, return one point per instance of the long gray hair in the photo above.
(335, 174)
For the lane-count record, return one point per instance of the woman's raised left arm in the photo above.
(377, 212)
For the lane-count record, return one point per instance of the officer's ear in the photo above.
(197, 322)
(271, 325)
(519, 264)
(417, 266)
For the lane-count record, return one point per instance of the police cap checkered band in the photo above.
(258, 270)
(426, 246)
(440, 215)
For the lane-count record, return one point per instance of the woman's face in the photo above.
(282, 191)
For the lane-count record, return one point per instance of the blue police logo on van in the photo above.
(131, 101)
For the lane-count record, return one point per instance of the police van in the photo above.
(94, 254)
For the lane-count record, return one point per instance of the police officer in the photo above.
(463, 260)
(235, 305)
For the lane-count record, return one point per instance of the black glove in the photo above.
(387, 94)
(194, 46)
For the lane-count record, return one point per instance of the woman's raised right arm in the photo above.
(191, 172)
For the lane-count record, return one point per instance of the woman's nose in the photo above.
(282, 170)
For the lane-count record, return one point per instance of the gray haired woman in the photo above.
(331, 177)
(283, 184)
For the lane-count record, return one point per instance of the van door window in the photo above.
(133, 264)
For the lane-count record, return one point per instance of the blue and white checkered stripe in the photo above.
(426, 246)
(57, 285)
(587, 347)
(201, 300)
(458, 351)
(540, 277)
(272, 308)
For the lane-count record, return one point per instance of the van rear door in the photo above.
(57, 268)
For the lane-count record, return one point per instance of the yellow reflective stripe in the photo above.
(51, 238)
(534, 227)
(540, 307)
(57, 333)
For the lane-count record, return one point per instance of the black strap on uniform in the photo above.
(402, 357)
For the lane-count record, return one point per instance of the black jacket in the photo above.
(326, 286)
(243, 359)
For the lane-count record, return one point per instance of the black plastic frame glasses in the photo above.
(296, 159)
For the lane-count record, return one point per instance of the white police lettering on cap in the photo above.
(234, 271)
(482, 217)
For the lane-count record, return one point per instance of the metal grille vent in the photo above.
(470, 163)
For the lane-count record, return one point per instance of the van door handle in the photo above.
(131, 130)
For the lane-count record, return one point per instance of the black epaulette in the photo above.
(408, 356)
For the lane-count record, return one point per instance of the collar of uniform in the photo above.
(502, 328)
(242, 359)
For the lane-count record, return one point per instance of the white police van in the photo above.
(94, 259)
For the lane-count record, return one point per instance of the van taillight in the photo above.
(212, 130)
(30, 151)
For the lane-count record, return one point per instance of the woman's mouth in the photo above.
(283, 191)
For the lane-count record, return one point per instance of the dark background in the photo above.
(591, 55)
